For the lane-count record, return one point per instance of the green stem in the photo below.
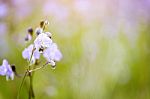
(31, 91)
(22, 84)
(33, 70)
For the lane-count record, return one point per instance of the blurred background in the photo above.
(105, 46)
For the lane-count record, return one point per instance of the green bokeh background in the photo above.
(106, 55)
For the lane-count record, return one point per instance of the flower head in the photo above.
(42, 42)
(28, 52)
(52, 54)
(5, 69)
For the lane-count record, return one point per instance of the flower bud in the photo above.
(38, 31)
(30, 31)
(13, 68)
(41, 24)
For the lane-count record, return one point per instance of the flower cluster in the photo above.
(42, 45)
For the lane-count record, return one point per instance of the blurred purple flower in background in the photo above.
(5, 69)
(28, 52)
(3, 10)
(56, 9)
(23, 8)
(3, 43)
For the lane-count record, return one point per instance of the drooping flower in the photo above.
(52, 54)
(6, 70)
(28, 52)
(42, 42)
(29, 34)
(28, 37)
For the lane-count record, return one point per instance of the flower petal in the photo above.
(42, 41)
(3, 70)
(52, 53)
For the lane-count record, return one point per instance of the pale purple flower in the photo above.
(28, 37)
(3, 10)
(38, 30)
(28, 52)
(5, 69)
(29, 34)
(52, 54)
(42, 42)
(48, 34)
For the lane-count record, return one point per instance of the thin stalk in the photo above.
(22, 84)
(31, 91)
(38, 68)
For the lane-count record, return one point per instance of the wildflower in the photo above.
(52, 54)
(6, 70)
(38, 31)
(28, 37)
(28, 52)
(42, 42)
(48, 34)
(29, 34)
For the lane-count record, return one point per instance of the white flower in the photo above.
(42, 42)
(52, 54)
(38, 30)
(48, 34)
(28, 52)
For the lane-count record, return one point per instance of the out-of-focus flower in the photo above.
(5, 69)
(22, 9)
(42, 42)
(56, 10)
(52, 54)
(28, 52)
(3, 29)
(3, 10)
